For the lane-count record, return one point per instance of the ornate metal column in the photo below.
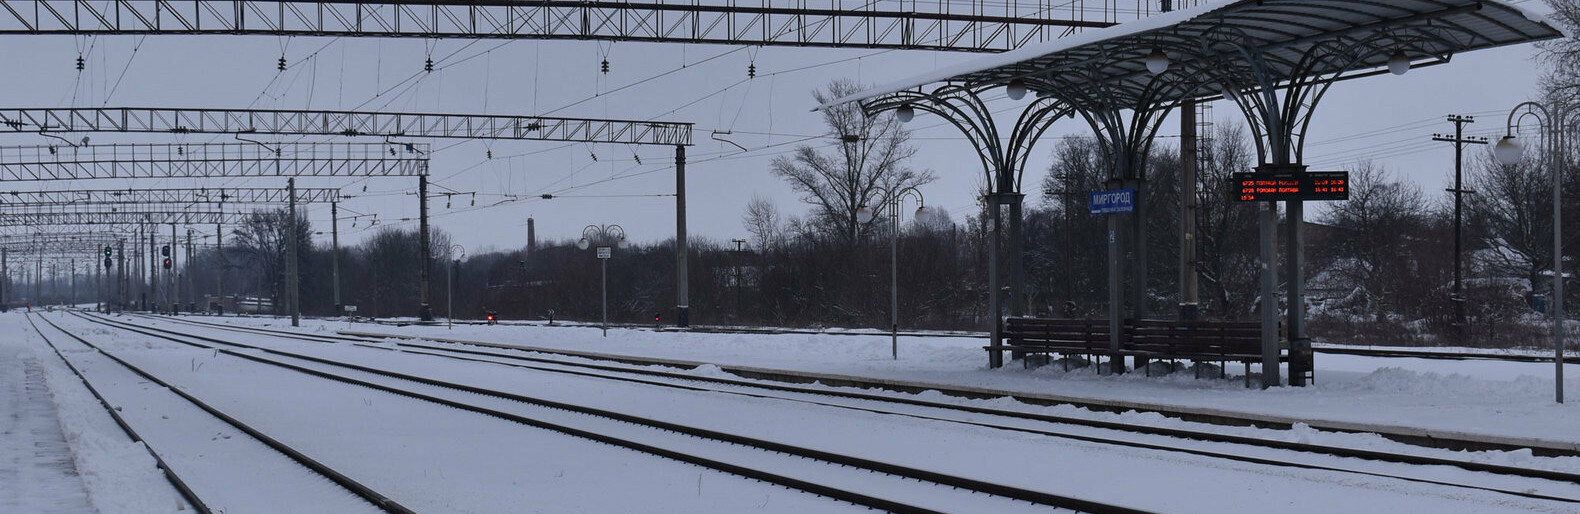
(1004, 163)
(1278, 91)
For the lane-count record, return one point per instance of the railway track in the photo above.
(400, 383)
(1046, 425)
(373, 499)
(1365, 351)
(1412, 437)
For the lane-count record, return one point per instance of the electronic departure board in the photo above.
(1278, 187)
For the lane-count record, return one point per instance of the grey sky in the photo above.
(768, 114)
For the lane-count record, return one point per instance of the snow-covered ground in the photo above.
(445, 462)
(1497, 398)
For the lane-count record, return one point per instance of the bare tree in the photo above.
(1512, 216)
(1381, 230)
(763, 221)
(868, 157)
(262, 236)
(1562, 79)
(1226, 227)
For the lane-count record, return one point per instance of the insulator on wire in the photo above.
(282, 63)
(81, 63)
(429, 66)
(606, 66)
(490, 154)
(751, 71)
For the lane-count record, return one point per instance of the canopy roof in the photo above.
(1212, 44)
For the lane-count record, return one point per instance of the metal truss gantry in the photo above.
(344, 123)
(29, 219)
(189, 196)
(202, 160)
(888, 24)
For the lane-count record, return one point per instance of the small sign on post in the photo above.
(1113, 202)
(604, 252)
(351, 308)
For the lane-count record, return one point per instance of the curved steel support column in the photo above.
(1004, 165)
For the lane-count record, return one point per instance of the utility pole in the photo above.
(219, 269)
(682, 296)
(1459, 140)
(172, 286)
(290, 251)
(424, 311)
(334, 255)
(191, 291)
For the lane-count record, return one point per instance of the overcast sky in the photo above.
(1386, 118)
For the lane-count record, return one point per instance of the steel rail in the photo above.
(170, 475)
(362, 491)
(977, 486)
(1336, 451)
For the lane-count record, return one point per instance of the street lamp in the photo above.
(613, 236)
(1508, 152)
(865, 215)
(457, 252)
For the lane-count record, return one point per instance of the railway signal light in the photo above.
(165, 251)
(167, 263)
(108, 263)
(107, 252)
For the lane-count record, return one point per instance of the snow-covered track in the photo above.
(904, 473)
(1456, 442)
(681, 381)
(170, 475)
(351, 486)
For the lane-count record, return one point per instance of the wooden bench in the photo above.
(1197, 340)
(1062, 336)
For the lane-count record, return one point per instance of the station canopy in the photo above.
(1227, 47)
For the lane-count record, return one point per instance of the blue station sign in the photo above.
(1113, 202)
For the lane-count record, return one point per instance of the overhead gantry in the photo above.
(289, 160)
(927, 25)
(1273, 59)
(372, 124)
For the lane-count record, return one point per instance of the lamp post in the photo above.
(1508, 152)
(608, 236)
(864, 215)
(457, 252)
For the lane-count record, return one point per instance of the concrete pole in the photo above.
(1295, 262)
(5, 277)
(219, 269)
(120, 281)
(1556, 134)
(1189, 299)
(334, 257)
(1269, 293)
(1138, 260)
(292, 288)
(894, 279)
(682, 247)
(73, 283)
(172, 286)
(187, 270)
(1017, 260)
(424, 310)
(995, 307)
(1116, 300)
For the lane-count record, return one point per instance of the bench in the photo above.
(1196, 340)
(1061, 336)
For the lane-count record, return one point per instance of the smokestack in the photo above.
(532, 237)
